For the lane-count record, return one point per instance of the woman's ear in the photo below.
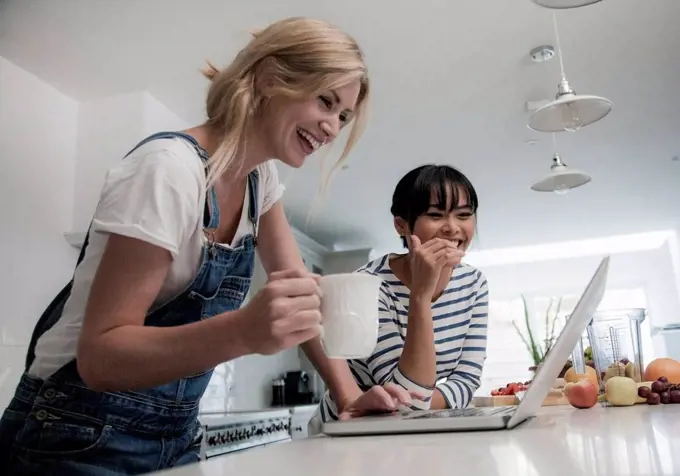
(401, 226)
(265, 75)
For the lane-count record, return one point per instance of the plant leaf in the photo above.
(547, 326)
(535, 353)
(522, 337)
(557, 314)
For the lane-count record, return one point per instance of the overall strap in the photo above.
(253, 205)
(172, 135)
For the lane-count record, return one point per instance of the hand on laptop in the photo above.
(378, 399)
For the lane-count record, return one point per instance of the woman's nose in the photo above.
(331, 128)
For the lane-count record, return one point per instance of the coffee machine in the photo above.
(297, 389)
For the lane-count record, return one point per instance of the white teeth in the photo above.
(309, 138)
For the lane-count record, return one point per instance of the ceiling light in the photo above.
(561, 178)
(564, 4)
(569, 111)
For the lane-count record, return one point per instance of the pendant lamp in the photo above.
(561, 178)
(569, 111)
(564, 4)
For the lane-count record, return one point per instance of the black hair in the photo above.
(413, 194)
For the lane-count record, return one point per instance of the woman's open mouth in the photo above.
(308, 141)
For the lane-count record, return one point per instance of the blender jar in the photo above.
(616, 343)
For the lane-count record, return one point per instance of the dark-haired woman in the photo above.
(427, 291)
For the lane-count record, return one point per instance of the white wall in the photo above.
(650, 270)
(157, 117)
(108, 129)
(38, 128)
(345, 261)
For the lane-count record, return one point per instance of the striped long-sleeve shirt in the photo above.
(460, 318)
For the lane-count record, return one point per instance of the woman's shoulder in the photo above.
(468, 269)
(168, 155)
(380, 267)
(377, 266)
(467, 277)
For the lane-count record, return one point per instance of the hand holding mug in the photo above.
(284, 313)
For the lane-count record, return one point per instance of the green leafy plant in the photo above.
(538, 350)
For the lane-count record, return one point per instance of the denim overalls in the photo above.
(60, 427)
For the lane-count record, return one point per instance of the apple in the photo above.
(621, 391)
(581, 394)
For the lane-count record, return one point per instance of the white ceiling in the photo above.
(450, 82)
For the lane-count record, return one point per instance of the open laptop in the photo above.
(489, 418)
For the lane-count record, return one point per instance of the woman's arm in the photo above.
(278, 250)
(150, 202)
(418, 360)
(459, 388)
(391, 363)
(114, 338)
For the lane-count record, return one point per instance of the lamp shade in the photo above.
(569, 111)
(561, 178)
(564, 4)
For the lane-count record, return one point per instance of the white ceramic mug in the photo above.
(349, 309)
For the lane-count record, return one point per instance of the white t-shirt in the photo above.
(157, 195)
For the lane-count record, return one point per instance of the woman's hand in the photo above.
(378, 399)
(283, 314)
(427, 261)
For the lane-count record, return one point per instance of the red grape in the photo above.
(663, 379)
(653, 399)
(644, 392)
(675, 396)
(658, 387)
(665, 397)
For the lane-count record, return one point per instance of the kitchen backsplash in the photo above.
(246, 383)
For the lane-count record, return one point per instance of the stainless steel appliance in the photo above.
(225, 433)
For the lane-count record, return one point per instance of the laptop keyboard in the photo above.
(465, 412)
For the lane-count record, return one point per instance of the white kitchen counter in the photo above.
(639, 440)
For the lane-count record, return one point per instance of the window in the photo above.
(508, 359)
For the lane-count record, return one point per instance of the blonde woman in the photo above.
(121, 357)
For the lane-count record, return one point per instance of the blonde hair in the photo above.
(306, 56)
